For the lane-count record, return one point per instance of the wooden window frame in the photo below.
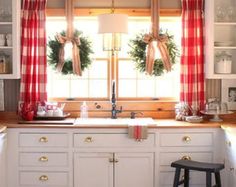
(96, 11)
(161, 108)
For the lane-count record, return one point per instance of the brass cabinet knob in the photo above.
(88, 139)
(231, 169)
(185, 157)
(43, 139)
(111, 160)
(43, 178)
(43, 159)
(228, 143)
(186, 139)
(116, 160)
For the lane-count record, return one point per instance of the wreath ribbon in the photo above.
(76, 63)
(161, 41)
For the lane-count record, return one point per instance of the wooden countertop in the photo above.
(2, 128)
(159, 123)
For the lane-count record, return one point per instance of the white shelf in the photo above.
(225, 23)
(6, 47)
(224, 47)
(6, 23)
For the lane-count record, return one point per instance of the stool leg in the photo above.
(186, 178)
(218, 181)
(208, 179)
(176, 180)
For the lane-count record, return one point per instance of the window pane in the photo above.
(133, 83)
(98, 88)
(127, 88)
(93, 78)
(146, 88)
(98, 70)
(79, 88)
(126, 69)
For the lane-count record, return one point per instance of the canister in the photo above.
(223, 63)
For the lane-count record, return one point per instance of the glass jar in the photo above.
(223, 62)
(4, 61)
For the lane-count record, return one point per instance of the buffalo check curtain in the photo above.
(192, 56)
(33, 52)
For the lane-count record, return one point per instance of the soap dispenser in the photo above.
(84, 110)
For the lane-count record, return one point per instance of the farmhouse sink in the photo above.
(118, 121)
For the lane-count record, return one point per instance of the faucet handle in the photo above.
(119, 111)
(132, 114)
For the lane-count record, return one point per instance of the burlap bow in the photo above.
(160, 39)
(76, 64)
(75, 54)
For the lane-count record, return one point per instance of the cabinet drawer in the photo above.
(43, 159)
(43, 140)
(167, 158)
(43, 178)
(186, 139)
(110, 140)
(195, 178)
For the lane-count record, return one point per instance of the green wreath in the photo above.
(138, 53)
(84, 51)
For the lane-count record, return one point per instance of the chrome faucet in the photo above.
(114, 111)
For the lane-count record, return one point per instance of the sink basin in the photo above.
(118, 121)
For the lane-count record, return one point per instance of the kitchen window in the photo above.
(95, 82)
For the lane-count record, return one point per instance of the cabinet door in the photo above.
(220, 39)
(3, 159)
(9, 39)
(93, 170)
(134, 169)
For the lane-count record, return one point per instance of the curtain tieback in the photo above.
(75, 54)
(161, 45)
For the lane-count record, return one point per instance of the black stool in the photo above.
(187, 165)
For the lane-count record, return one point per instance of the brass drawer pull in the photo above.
(43, 159)
(43, 139)
(88, 139)
(113, 160)
(43, 178)
(186, 158)
(186, 139)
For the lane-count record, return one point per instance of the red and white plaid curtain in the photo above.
(192, 56)
(33, 52)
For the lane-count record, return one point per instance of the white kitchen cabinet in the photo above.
(10, 39)
(91, 157)
(220, 24)
(114, 169)
(230, 157)
(191, 144)
(134, 169)
(3, 159)
(39, 158)
(93, 169)
(119, 167)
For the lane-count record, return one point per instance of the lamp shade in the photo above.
(113, 23)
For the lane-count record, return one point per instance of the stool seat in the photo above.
(198, 166)
(188, 165)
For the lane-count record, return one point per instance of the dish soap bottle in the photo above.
(84, 110)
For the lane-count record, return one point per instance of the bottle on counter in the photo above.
(84, 110)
